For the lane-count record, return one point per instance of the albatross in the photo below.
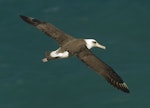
(70, 46)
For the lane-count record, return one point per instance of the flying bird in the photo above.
(70, 46)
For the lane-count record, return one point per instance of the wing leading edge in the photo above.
(48, 29)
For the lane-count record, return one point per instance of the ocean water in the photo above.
(122, 26)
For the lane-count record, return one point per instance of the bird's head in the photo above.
(90, 43)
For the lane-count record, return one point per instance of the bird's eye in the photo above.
(94, 42)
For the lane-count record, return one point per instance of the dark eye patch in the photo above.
(94, 42)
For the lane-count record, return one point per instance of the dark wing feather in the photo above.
(103, 69)
(48, 29)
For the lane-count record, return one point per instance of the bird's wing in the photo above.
(103, 69)
(48, 29)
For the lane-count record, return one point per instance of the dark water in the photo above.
(122, 26)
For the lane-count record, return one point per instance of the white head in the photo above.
(90, 43)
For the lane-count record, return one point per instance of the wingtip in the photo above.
(120, 85)
(26, 19)
(125, 88)
(30, 20)
(23, 17)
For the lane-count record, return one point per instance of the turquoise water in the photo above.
(122, 26)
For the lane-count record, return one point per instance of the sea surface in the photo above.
(123, 26)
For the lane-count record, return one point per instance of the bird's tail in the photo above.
(48, 57)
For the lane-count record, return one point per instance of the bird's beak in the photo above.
(100, 46)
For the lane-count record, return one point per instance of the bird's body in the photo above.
(70, 46)
(66, 50)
